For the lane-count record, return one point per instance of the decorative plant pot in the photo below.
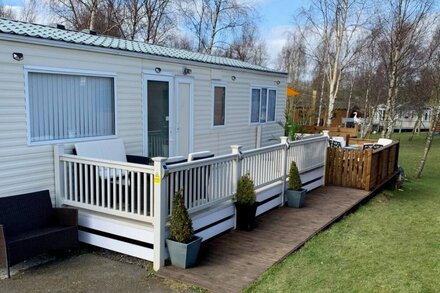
(295, 198)
(184, 255)
(246, 216)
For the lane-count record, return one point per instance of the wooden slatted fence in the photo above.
(362, 169)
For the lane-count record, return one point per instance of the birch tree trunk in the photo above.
(416, 126)
(428, 143)
(321, 100)
(93, 10)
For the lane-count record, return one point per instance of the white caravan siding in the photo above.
(25, 168)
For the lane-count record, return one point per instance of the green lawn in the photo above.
(390, 244)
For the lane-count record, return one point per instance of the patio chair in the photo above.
(384, 141)
(334, 144)
(339, 139)
(373, 146)
(114, 150)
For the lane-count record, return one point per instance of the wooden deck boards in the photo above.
(232, 261)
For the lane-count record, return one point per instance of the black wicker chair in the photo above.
(29, 226)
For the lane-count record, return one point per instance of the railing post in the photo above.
(58, 150)
(236, 172)
(285, 141)
(160, 213)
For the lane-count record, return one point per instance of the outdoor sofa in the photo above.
(29, 226)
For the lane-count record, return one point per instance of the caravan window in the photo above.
(219, 105)
(69, 106)
(263, 104)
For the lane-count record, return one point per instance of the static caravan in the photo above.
(59, 86)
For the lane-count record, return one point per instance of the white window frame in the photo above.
(218, 84)
(261, 87)
(66, 71)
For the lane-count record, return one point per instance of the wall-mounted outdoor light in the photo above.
(187, 71)
(17, 56)
(157, 69)
(277, 82)
(233, 77)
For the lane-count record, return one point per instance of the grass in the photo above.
(391, 244)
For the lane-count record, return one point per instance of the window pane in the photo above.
(219, 105)
(271, 105)
(255, 107)
(70, 106)
(263, 105)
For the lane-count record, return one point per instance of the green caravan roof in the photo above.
(38, 31)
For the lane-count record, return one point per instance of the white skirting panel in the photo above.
(312, 175)
(269, 205)
(269, 191)
(216, 229)
(117, 234)
(117, 245)
(116, 226)
(221, 218)
(314, 184)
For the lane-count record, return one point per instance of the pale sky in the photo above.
(277, 18)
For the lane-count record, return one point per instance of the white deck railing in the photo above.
(264, 165)
(117, 188)
(145, 193)
(203, 183)
(308, 153)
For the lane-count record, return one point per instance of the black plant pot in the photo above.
(246, 216)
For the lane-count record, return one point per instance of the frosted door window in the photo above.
(63, 106)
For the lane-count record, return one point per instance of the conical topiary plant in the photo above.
(245, 191)
(294, 178)
(180, 223)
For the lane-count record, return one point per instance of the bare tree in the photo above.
(147, 20)
(337, 23)
(96, 15)
(292, 57)
(431, 74)
(248, 47)
(212, 21)
(404, 24)
(6, 11)
(30, 11)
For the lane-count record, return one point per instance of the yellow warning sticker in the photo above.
(156, 178)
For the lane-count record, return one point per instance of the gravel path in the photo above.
(97, 271)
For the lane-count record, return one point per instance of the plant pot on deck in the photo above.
(295, 198)
(184, 255)
(246, 216)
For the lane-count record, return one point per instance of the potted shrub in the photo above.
(183, 245)
(245, 203)
(295, 194)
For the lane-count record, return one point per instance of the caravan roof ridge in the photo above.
(46, 32)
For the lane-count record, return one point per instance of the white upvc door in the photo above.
(184, 115)
(158, 114)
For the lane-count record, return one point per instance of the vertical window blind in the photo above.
(263, 104)
(63, 106)
(255, 107)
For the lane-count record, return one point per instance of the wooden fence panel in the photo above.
(362, 169)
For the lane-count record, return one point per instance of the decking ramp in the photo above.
(232, 261)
